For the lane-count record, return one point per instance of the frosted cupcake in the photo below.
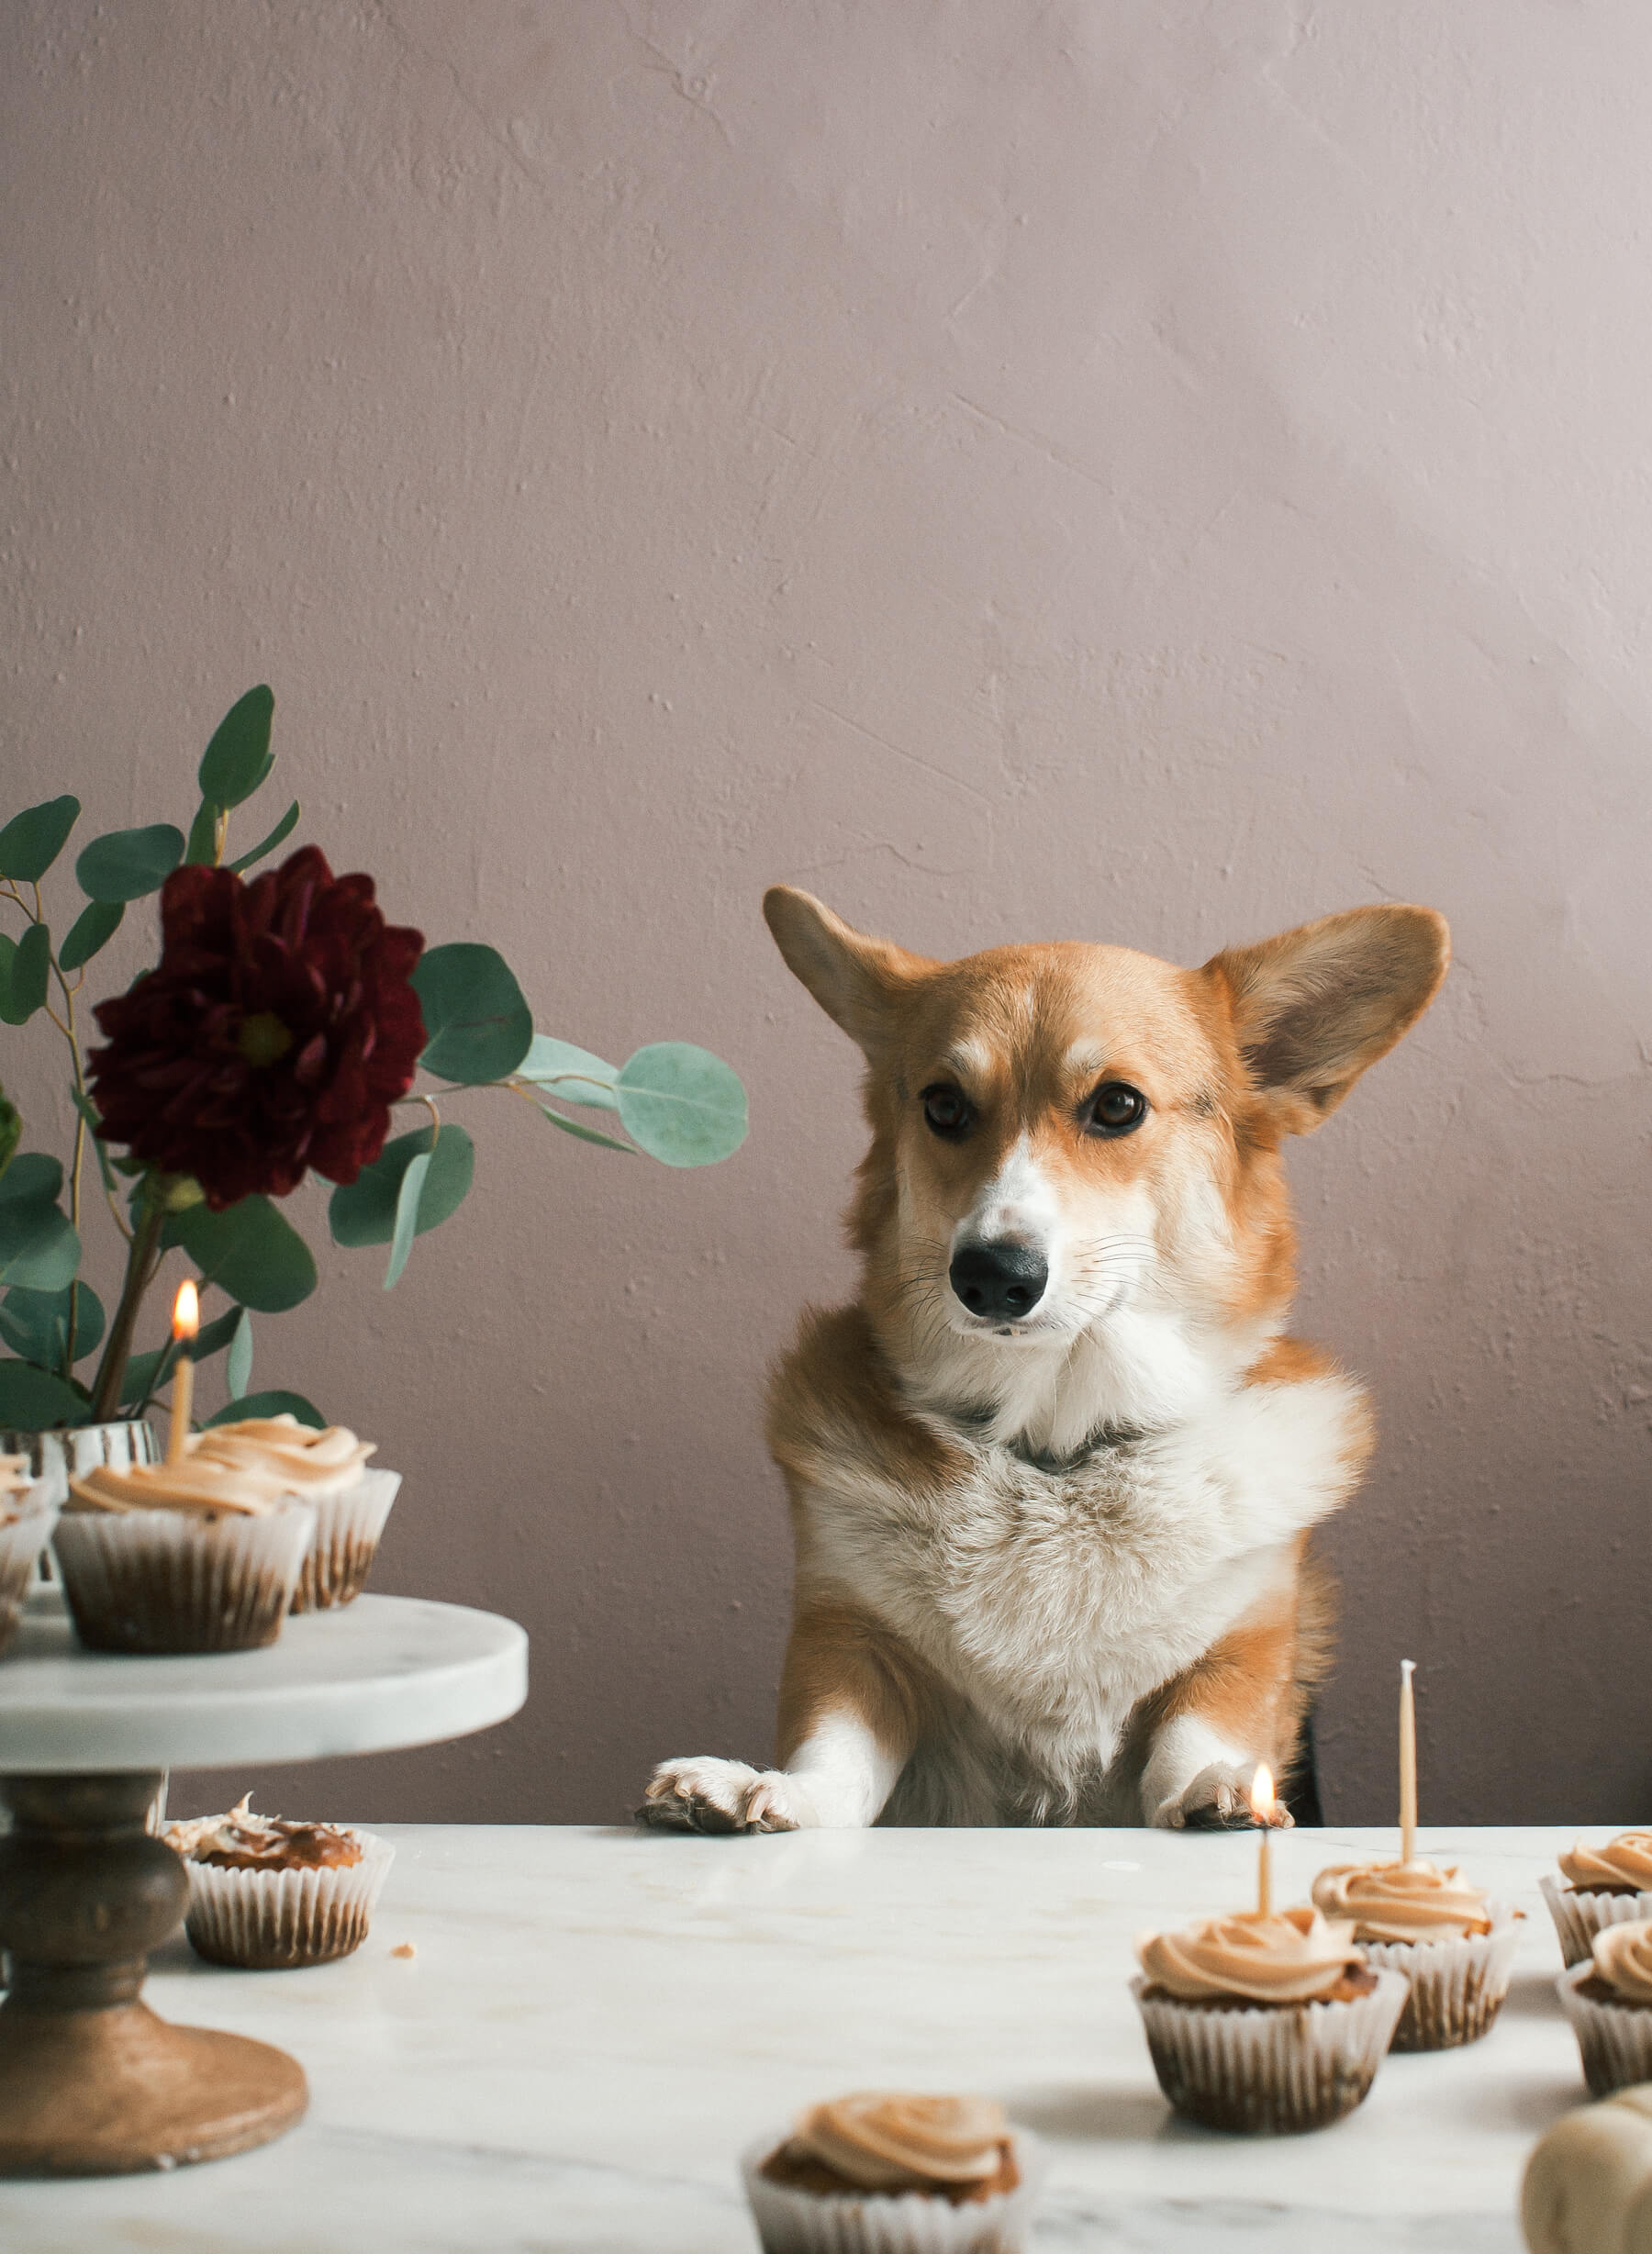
(887, 2173)
(193, 1557)
(26, 1518)
(1266, 2024)
(1598, 1887)
(1453, 1944)
(329, 1470)
(1608, 1999)
(268, 1895)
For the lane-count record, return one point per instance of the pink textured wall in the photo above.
(1140, 472)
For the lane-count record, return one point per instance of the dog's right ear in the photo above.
(856, 980)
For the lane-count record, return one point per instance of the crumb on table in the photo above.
(404, 1948)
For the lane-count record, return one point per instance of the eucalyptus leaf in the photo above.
(129, 863)
(574, 1074)
(273, 1404)
(92, 929)
(587, 1134)
(88, 1112)
(24, 967)
(147, 1373)
(200, 850)
(33, 1400)
(686, 1107)
(239, 757)
(31, 842)
(248, 1251)
(35, 1177)
(36, 1324)
(238, 1368)
(39, 1247)
(407, 1215)
(11, 1130)
(477, 1027)
(284, 828)
(365, 1212)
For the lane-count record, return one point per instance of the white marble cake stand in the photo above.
(91, 2082)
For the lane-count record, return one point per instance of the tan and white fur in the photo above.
(1051, 1534)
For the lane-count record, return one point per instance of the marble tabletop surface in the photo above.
(594, 2022)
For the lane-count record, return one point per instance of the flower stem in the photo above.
(140, 1274)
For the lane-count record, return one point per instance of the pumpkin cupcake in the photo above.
(329, 1470)
(1598, 1887)
(268, 1895)
(1608, 1999)
(1455, 1945)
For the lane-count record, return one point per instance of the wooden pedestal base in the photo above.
(91, 2082)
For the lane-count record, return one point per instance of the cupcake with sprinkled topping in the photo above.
(883, 2172)
(1598, 1887)
(1265, 2024)
(1608, 1999)
(1453, 1944)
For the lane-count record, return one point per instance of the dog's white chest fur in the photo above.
(1056, 1598)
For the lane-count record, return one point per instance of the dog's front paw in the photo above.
(1217, 1800)
(709, 1795)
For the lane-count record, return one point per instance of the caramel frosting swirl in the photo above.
(1403, 1901)
(200, 1483)
(1622, 1866)
(886, 2141)
(310, 1463)
(1291, 1958)
(1623, 1959)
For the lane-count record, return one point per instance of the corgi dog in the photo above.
(1053, 1476)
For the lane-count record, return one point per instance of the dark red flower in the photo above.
(273, 1035)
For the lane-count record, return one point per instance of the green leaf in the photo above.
(237, 1369)
(684, 1106)
(477, 1027)
(200, 850)
(39, 1247)
(147, 1373)
(128, 863)
(587, 1134)
(248, 1251)
(284, 828)
(35, 1177)
(407, 1215)
(33, 1400)
(11, 1130)
(365, 1212)
(572, 1073)
(31, 842)
(25, 967)
(88, 1112)
(36, 1324)
(94, 928)
(239, 757)
(269, 1405)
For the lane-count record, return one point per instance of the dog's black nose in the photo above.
(1002, 1282)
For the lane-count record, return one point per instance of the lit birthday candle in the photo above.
(185, 1323)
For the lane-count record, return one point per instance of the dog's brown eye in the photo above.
(1115, 1109)
(947, 1111)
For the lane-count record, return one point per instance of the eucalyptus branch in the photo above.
(140, 1267)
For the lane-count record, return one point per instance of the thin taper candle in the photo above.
(185, 1323)
(1408, 1763)
(1262, 1806)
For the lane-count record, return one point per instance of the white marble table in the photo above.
(594, 2022)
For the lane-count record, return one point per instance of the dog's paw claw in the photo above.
(717, 1797)
(1217, 1800)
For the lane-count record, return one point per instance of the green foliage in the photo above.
(33, 1400)
(200, 848)
(239, 757)
(39, 1247)
(35, 1324)
(477, 1027)
(686, 1107)
(11, 1130)
(148, 1373)
(129, 863)
(94, 928)
(573, 1076)
(248, 1251)
(24, 967)
(269, 1405)
(31, 842)
(238, 1367)
(407, 1216)
(365, 1210)
(100, 1149)
(587, 1134)
(282, 830)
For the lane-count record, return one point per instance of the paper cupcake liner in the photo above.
(1274, 2072)
(272, 1921)
(1614, 2040)
(57, 1457)
(23, 1533)
(1457, 1987)
(1579, 1916)
(347, 1528)
(156, 1582)
(793, 2222)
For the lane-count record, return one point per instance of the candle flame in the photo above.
(1262, 1794)
(186, 1309)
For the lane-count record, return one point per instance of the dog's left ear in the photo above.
(1314, 1007)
